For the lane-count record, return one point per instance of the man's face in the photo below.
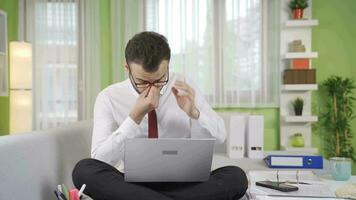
(142, 79)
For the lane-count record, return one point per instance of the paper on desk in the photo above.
(284, 175)
(292, 198)
(316, 188)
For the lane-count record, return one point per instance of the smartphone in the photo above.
(277, 186)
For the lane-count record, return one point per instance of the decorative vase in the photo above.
(297, 140)
(298, 13)
(340, 168)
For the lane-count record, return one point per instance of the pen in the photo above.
(61, 195)
(81, 190)
(65, 191)
(294, 182)
(59, 187)
(55, 193)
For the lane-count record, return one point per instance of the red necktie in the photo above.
(152, 124)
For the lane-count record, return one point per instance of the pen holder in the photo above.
(73, 194)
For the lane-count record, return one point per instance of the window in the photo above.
(56, 69)
(225, 46)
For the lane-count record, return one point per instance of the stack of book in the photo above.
(297, 46)
(300, 71)
(299, 76)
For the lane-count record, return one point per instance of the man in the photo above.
(151, 103)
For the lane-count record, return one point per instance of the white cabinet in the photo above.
(3, 55)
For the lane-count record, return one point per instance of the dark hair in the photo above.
(147, 49)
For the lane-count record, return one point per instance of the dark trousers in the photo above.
(104, 182)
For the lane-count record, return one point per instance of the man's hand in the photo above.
(147, 101)
(185, 96)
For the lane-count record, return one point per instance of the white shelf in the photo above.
(299, 87)
(290, 124)
(311, 150)
(294, 55)
(302, 23)
(300, 119)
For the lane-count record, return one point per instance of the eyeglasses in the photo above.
(146, 84)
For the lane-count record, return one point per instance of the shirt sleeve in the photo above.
(109, 136)
(209, 124)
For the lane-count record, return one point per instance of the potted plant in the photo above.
(297, 7)
(337, 117)
(298, 104)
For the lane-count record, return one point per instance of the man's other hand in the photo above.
(185, 96)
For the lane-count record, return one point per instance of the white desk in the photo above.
(220, 160)
(333, 185)
(247, 164)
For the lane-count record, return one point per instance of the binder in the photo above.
(236, 139)
(255, 129)
(294, 161)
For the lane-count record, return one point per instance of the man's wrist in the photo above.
(195, 113)
(136, 117)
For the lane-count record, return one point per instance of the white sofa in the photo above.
(33, 164)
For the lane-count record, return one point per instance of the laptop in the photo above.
(168, 160)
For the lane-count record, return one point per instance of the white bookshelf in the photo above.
(3, 55)
(300, 119)
(290, 123)
(296, 55)
(299, 87)
(301, 23)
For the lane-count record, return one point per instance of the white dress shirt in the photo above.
(113, 125)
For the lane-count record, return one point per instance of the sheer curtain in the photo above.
(126, 19)
(55, 43)
(89, 82)
(66, 65)
(225, 46)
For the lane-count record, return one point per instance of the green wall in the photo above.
(105, 32)
(335, 40)
(10, 7)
